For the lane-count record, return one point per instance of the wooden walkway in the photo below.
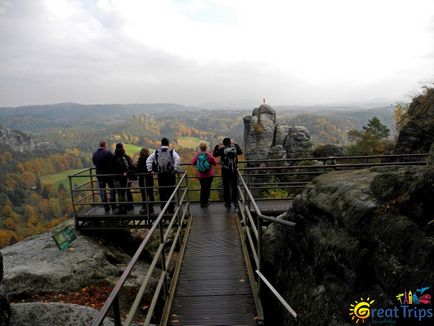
(213, 286)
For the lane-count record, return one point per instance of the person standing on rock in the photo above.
(167, 161)
(203, 161)
(228, 152)
(101, 160)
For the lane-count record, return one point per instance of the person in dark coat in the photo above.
(120, 165)
(101, 160)
(228, 152)
(146, 182)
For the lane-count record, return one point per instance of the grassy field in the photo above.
(189, 142)
(62, 177)
(132, 149)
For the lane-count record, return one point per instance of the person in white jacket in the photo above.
(166, 161)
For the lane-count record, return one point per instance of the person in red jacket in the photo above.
(204, 161)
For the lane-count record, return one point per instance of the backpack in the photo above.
(202, 163)
(164, 159)
(229, 159)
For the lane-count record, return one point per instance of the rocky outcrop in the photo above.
(329, 150)
(53, 313)
(358, 234)
(259, 132)
(297, 143)
(5, 309)
(20, 141)
(37, 266)
(418, 133)
(430, 159)
(262, 132)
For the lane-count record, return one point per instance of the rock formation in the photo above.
(358, 234)
(20, 141)
(53, 313)
(418, 133)
(36, 266)
(5, 309)
(262, 133)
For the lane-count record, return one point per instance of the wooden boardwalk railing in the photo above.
(213, 286)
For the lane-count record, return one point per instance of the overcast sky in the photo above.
(215, 52)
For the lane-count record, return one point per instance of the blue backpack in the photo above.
(202, 163)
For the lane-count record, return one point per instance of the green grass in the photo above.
(189, 142)
(62, 177)
(131, 149)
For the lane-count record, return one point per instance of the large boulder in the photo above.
(53, 313)
(36, 265)
(262, 132)
(358, 234)
(297, 143)
(329, 150)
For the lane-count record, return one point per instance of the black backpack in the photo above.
(229, 160)
(164, 159)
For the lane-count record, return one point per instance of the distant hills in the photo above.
(73, 124)
(37, 118)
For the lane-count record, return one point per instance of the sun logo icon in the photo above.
(360, 311)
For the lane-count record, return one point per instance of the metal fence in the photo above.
(170, 234)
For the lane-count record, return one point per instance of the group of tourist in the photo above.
(117, 172)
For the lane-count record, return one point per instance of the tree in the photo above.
(371, 140)
(377, 129)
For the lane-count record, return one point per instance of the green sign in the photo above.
(64, 238)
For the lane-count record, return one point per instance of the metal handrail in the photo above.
(112, 301)
(257, 233)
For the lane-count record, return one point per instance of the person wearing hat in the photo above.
(228, 152)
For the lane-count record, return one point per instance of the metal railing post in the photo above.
(163, 261)
(116, 312)
(259, 251)
(91, 185)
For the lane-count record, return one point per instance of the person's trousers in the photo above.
(166, 185)
(121, 190)
(103, 182)
(205, 189)
(146, 184)
(230, 182)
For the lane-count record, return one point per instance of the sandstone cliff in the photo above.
(19, 141)
(418, 133)
(366, 233)
(262, 133)
(36, 268)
